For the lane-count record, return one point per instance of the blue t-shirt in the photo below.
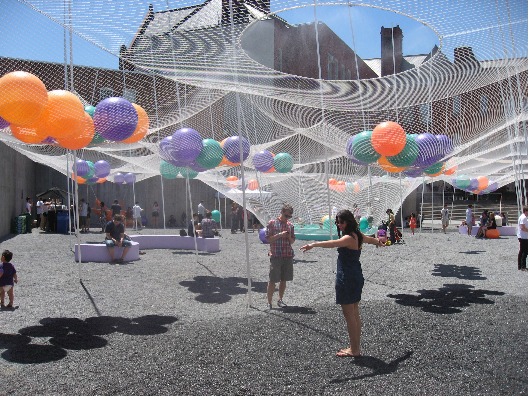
(8, 271)
(114, 230)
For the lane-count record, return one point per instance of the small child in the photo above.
(8, 275)
(412, 222)
(382, 233)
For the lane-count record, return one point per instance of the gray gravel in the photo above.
(442, 313)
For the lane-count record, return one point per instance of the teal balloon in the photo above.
(169, 171)
(362, 148)
(97, 139)
(90, 110)
(215, 214)
(363, 223)
(435, 168)
(91, 172)
(283, 162)
(188, 173)
(408, 155)
(211, 154)
(463, 182)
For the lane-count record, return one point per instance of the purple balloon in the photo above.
(185, 145)
(115, 119)
(263, 161)
(194, 166)
(350, 152)
(429, 150)
(473, 185)
(82, 168)
(446, 145)
(232, 149)
(48, 140)
(93, 180)
(3, 123)
(492, 187)
(262, 235)
(119, 178)
(413, 172)
(101, 169)
(130, 178)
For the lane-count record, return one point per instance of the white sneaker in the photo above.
(281, 304)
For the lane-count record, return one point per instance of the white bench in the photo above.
(504, 231)
(176, 242)
(98, 253)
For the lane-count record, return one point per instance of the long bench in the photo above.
(504, 231)
(98, 253)
(176, 242)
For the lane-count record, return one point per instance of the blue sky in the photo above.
(28, 34)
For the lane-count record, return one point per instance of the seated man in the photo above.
(171, 222)
(115, 236)
(208, 226)
(193, 225)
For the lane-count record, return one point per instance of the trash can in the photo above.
(63, 219)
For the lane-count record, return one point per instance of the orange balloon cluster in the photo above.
(36, 114)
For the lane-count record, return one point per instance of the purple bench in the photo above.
(98, 253)
(504, 231)
(176, 242)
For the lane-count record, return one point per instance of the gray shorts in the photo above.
(281, 269)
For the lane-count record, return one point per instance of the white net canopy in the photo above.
(240, 68)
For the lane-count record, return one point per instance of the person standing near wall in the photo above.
(201, 210)
(522, 235)
(445, 218)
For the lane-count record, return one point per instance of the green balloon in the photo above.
(211, 154)
(90, 110)
(97, 139)
(363, 223)
(463, 182)
(435, 168)
(188, 173)
(283, 162)
(169, 171)
(215, 214)
(408, 155)
(91, 173)
(362, 148)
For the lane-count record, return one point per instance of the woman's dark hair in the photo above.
(352, 226)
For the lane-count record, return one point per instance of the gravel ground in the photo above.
(442, 314)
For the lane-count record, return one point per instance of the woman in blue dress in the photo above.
(349, 277)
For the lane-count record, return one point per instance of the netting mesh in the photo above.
(212, 67)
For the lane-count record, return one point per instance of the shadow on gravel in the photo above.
(74, 334)
(473, 252)
(180, 252)
(304, 261)
(292, 309)
(446, 300)
(378, 367)
(458, 271)
(216, 290)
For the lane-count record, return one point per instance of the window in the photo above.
(483, 104)
(105, 93)
(425, 113)
(130, 95)
(348, 74)
(333, 68)
(457, 106)
(279, 59)
(343, 75)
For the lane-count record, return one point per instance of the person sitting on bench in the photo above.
(115, 236)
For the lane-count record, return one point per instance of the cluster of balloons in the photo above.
(59, 118)
(128, 178)
(479, 185)
(90, 173)
(341, 186)
(265, 161)
(396, 151)
(186, 148)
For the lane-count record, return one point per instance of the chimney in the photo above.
(465, 56)
(391, 55)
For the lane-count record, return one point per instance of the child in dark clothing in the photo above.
(8, 278)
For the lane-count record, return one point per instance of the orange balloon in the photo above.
(63, 115)
(253, 184)
(142, 125)
(23, 97)
(450, 171)
(85, 136)
(101, 180)
(332, 182)
(28, 134)
(232, 181)
(483, 182)
(384, 164)
(340, 186)
(388, 138)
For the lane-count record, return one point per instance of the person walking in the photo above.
(155, 214)
(280, 235)
(469, 218)
(349, 276)
(83, 213)
(136, 209)
(40, 212)
(412, 222)
(522, 235)
(445, 218)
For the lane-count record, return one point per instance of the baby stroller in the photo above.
(398, 235)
